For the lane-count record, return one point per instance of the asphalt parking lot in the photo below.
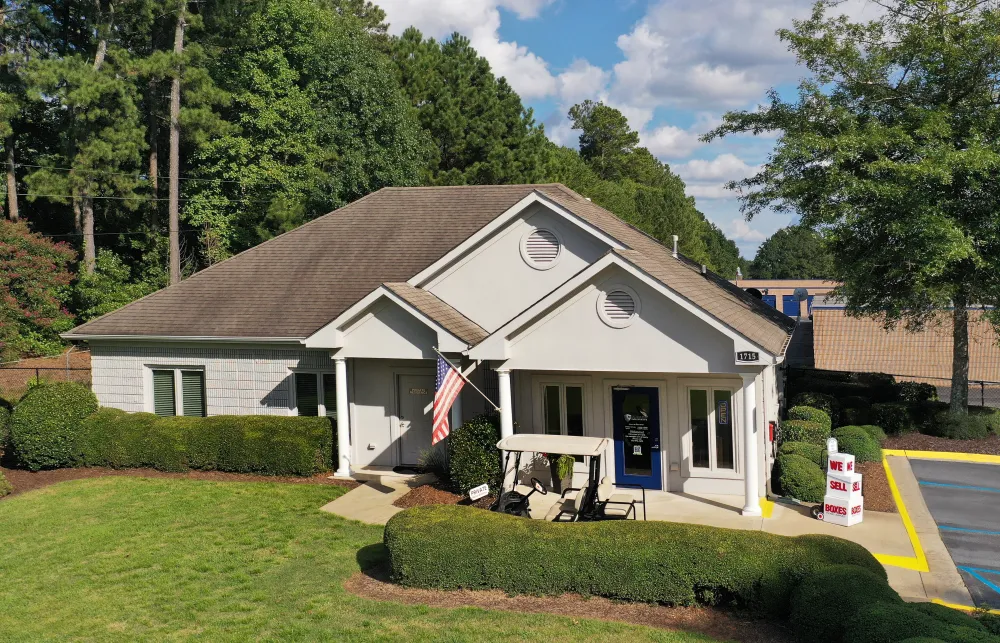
(964, 500)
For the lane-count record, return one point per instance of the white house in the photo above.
(574, 321)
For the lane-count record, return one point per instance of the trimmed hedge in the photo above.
(960, 427)
(857, 416)
(473, 456)
(809, 451)
(917, 392)
(457, 547)
(810, 414)
(989, 415)
(824, 601)
(893, 417)
(875, 432)
(948, 615)
(826, 403)
(46, 423)
(802, 431)
(261, 444)
(859, 443)
(800, 478)
(890, 621)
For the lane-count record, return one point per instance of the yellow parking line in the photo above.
(944, 455)
(965, 608)
(918, 562)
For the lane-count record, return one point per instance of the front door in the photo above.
(416, 393)
(636, 415)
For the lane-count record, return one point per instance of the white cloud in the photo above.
(667, 141)
(725, 167)
(740, 231)
(479, 21)
(581, 81)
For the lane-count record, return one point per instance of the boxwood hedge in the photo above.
(859, 443)
(810, 414)
(882, 621)
(809, 451)
(262, 444)
(453, 547)
(894, 418)
(821, 401)
(472, 453)
(875, 432)
(46, 422)
(822, 603)
(800, 478)
(803, 431)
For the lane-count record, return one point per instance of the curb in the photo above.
(964, 608)
(919, 561)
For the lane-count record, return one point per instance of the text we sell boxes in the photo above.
(840, 463)
(840, 511)
(845, 487)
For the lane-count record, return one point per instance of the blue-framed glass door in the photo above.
(635, 412)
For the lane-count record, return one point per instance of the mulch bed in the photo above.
(437, 494)
(921, 442)
(875, 488)
(23, 481)
(716, 623)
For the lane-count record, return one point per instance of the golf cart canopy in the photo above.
(562, 444)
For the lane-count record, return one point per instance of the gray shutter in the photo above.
(193, 390)
(306, 394)
(330, 394)
(163, 393)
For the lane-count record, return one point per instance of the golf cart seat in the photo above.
(612, 505)
(569, 509)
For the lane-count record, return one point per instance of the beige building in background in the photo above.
(780, 293)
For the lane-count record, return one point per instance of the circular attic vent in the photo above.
(541, 248)
(618, 306)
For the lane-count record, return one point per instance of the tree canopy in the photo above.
(893, 144)
(795, 252)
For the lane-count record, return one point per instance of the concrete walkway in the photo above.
(372, 501)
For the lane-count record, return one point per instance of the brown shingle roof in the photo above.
(447, 317)
(294, 284)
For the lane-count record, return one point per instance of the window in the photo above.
(316, 394)
(713, 431)
(191, 385)
(562, 409)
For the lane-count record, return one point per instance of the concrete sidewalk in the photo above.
(371, 502)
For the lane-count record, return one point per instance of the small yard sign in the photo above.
(481, 491)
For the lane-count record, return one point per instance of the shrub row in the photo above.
(46, 423)
(453, 547)
(268, 445)
(811, 414)
(857, 441)
(846, 603)
(804, 431)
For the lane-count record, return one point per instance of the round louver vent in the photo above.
(541, 248)
(618, 306)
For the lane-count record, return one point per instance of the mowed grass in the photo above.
(158, 559)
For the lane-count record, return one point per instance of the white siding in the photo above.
(238, 380)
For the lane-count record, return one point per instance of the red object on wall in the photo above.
(770, 430)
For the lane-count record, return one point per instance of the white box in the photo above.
(845, 487)
(840, 463)
(845, 513)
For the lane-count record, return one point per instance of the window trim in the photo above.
(687, 444)
(563, 411)
(149, 403)
(293, 403)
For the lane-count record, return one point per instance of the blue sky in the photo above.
(673, 67)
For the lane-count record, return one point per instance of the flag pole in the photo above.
(464, 379)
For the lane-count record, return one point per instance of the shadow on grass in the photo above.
(373, 560)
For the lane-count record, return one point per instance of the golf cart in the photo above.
(598, 499)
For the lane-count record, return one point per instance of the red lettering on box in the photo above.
(855, 510)
(834, 509)
(838, 485)
(838, 466)
(857, 486)
(850, 466)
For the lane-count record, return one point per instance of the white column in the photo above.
(343, 420)
(751, 502)
(506, 409)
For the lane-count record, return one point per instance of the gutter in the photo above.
(185, 338)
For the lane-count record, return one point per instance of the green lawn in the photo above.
(127, 558)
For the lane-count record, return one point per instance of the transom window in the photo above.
(562, 409)
(316, 394)
(179, 391)
(713, 430)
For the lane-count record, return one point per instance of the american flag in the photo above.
(446, 388)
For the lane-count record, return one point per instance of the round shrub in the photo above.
(857, 442)
(948, 615)
(893, 417)
(5, 487)
(875, 432)
(989, 415)
(802, 431)
(809, 451)
(800, 478)
(824, 601)
(821, 401)
(46, 423)
(960, 427)
(810, 414)
(916, 392)
(452, 547)
(473, 455)
(890, 622)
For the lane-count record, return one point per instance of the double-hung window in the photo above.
(713, 429)
(562, 409)
(179, 391)
(315, 394)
